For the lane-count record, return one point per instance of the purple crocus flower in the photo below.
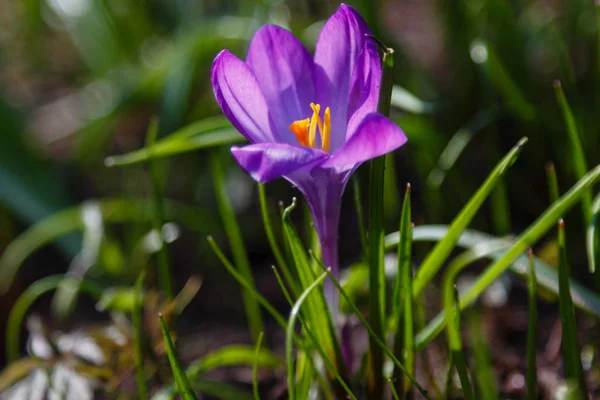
(275, 100)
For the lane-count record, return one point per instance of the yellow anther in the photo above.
(306, 129)
(314, 121)
(326, 131)
(300, 129)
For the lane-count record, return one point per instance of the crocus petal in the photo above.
(284, 70)
(364, 89)
(239, 96)
(268, 161)
(375, 135)
(336, 53)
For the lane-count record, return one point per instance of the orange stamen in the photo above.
(306, 129)
(314, 121)
(300, 129)
(326, 131)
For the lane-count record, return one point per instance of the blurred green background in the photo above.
(81, 79)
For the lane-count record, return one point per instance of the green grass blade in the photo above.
(289, 348)
(247, 286)
(484, 55)
(218, 390)
(402, 307)
(577, 153)
(183, 384)
(164, 269)
(309, 369)
(457, 144)
(26, 300)
(547, 276)
(233, 355)
(593, 236)
(451, 302)
(405, 100)
(136, 321)
(532, 332)
(441, 251)
(409, 329)
(447, 390)
(210, 132)
(117, 210)
(570, 343)
(456, 349)
(375, 254)
(347, 392)
(522, 243)
(404, 260)
(393, 390)
(318, 317)
(359, 214)
(484, 369)
(227, 356)
(279, 258)
(238, 250)
(377, 339)
(552, 180)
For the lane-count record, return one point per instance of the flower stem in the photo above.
(376, 383)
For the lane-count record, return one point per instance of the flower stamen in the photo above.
(326, 131)
(300, 129)
(315, 121)
(306, 129)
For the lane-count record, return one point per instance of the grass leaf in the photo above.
(532, 331)
(570, 343)
(32, 293)
(240, 256)
(577, 153)
(183, 384)
(441, 251)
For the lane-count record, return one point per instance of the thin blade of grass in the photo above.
(238, 250)
(570, 343)
(547, 276)
(532, 331)
(318, 317)
(375, 381)
(255, 391)
(32, 293)
(577, 153)
(247, 286)
(451, 301)
(310, 369)
(117, 210)
(402, 307)
(233, 355)
(183, 384)
(209, 132)
(457, 144)
(378, 340)
(456, 349)
(522, 243)
(484, 55)
(484, 370)
(592, 236)
(552, 180)
(393, 389)
(279, 258)
(409, 330)
(164, 269)
(289, 348)
(405, 100)
(136, 320)
(441, 251)
(360, 215)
